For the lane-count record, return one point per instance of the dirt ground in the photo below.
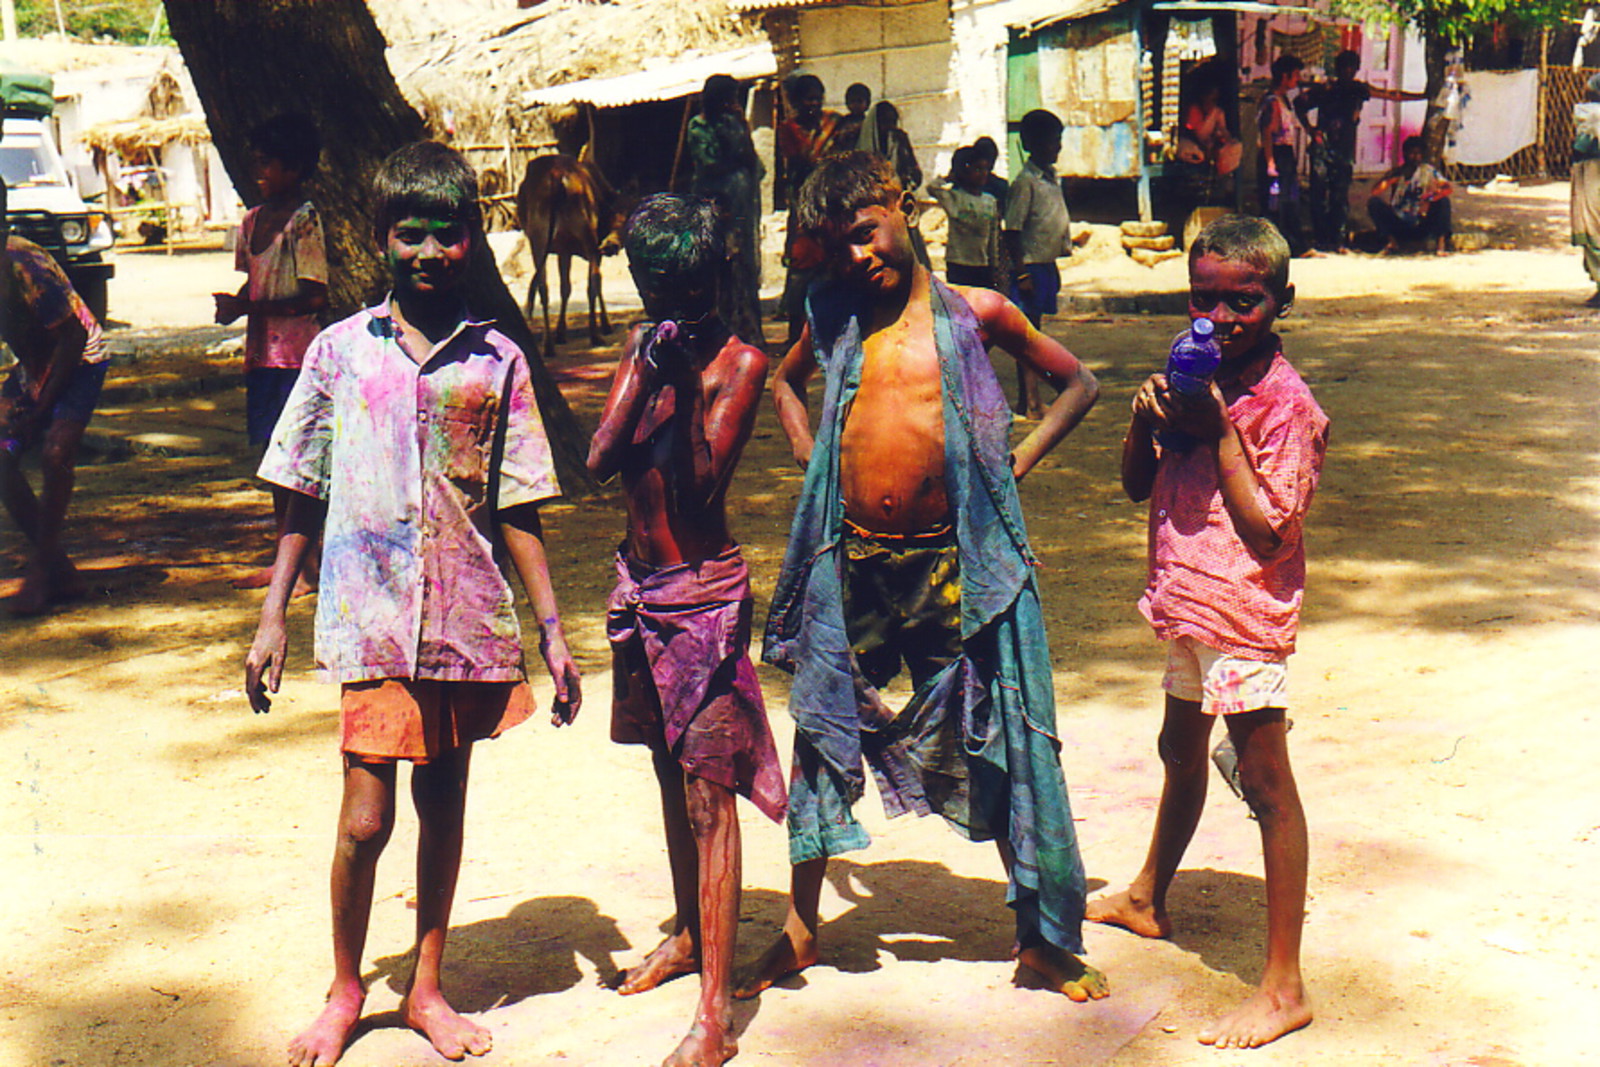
(164, 852)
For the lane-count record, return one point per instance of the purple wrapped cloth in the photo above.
(683, 680)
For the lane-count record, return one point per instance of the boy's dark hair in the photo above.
(803, 84)
(1284, 66)
(964, 157)
(986, 147)
(1411, 142)
(671, 238)
(291, 139)
(424, 178)
(1036, 124)
(1346, 60)
(842, 185)
(1246, 239)
(856, 91)
(719, 91)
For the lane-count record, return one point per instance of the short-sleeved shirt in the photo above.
(1339, 107)
(974, 232)
(1036, 206)
(413, 461)
(1203, 581)
(39, 299)
(1407, 196)
(297, 253)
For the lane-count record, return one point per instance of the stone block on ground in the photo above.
(1135, 228)
(1151, 244)
(1150, 258)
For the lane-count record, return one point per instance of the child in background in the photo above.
(1226, 578)
(1412, 202)
(412, 441)
(281, 251)
(680, 411)
(1038, 231)
(972, 247)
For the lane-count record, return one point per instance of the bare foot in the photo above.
(34, 595)
(703, 1047)
(1065, 973)
(452, 1034)
(324, 1040)
(254, 580)
(784, 959)
(673, 957)
(1121, 909)
(302, 587)
(1265, 1017)
(66, 583)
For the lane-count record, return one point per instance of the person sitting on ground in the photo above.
(1226, 577)
(1412, 202)
(972, 247)
(281, 250)
(46, 402)
(413, 441)
(1037, 231)
(680, 412)
(908, 546)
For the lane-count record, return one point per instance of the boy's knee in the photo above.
(366, 828)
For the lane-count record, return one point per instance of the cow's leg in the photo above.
(564, 265)
(541, 285)
(596, 297)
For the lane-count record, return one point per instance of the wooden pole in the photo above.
(1541, 156)
(683, 135)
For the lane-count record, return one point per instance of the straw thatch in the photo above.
(128, 137)
(467, 73)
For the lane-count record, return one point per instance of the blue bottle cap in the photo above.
(1202, 329)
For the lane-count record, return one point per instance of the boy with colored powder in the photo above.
(412, 443)
(1038, 231)
(908, 545)
(46, 402)
(1227, 574)
(681, 409)
(281, 251)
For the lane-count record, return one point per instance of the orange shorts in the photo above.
(400, 719)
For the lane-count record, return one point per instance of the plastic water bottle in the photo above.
(1191, 365)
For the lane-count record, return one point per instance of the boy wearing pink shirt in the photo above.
(1227, 573)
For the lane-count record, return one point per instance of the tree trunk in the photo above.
(1435, 127)
(252, 59)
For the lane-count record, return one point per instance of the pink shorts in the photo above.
(1222, 684)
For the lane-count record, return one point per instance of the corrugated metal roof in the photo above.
(669, 80)
(1034, 17)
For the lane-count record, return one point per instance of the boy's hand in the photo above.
(564, 673)
(1151, 404)
(266, 658)
(230, 308)
(1202, 417)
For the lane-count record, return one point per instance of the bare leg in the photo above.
(715, 824)
(1061, 970)
(1279, 1005)
(679, 953)
(796, 946)
(1142, 907)
(51, 575)
(1028, 402)
(439, 791)
(366, 819)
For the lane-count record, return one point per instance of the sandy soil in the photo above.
(165, 853)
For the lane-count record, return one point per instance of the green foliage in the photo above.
(1456, 20)
(127, 21)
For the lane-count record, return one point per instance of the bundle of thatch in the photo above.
(128, 137)
(468, 73)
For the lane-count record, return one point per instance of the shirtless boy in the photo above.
(680, 411)
(412, 443)
(1226, 577)
(908, 543)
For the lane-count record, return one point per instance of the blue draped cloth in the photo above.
(977, 742)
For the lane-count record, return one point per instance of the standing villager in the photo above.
(728, 172)
(1586, 182)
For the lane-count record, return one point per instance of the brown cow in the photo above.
(566, 206)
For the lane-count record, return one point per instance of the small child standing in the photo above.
(281, 251)
(1038, 231)
(1227, 574)
(680, 412)
(972, 249)
(412, 441)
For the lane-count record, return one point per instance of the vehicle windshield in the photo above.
(29, 160)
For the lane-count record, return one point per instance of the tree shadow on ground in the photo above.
(531, 951)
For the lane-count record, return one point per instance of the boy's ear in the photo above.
(1286, 300)
(909, 207)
